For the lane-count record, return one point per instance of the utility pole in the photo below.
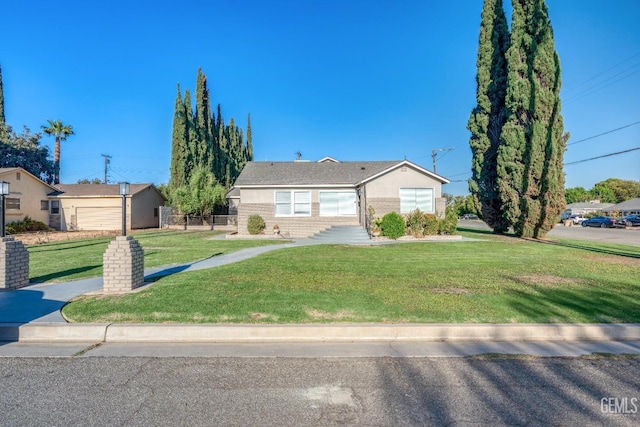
(106, 165)
(435, 152)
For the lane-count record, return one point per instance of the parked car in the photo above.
(599, 221)
(631, 220)
(576, 219)
(469, 216)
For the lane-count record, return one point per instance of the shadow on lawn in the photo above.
(63, 273)
(630, 253)
(613, 302)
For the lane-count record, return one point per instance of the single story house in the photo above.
(303, 197)
(628, 207)
(28, 196)
(583, 208)
(76, 207)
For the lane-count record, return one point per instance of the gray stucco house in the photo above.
(304, 197)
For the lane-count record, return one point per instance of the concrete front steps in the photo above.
(343, 234)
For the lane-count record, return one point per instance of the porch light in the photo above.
(124, 191)
(124, 188)
(4, 191)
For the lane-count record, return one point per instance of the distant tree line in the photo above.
(612, 190)
(207, 155)
(517, 132)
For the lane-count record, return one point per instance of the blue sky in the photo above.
(355, 80)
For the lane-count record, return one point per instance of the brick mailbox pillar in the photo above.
(123, 265)
(14, 264)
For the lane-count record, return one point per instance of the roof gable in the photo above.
(325, 173)
(4, 171)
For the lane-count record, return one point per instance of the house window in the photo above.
(416, 198)
(18, 175)
(44, 205)
(13, 204)
(155, 212)
(293, 203)
(54, 208)
(337, 203)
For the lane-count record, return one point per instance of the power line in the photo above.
(600, 157)
(604, 133)
(569, 89)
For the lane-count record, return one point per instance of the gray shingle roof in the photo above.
(310, 173)
(631, 204)
(86, 190)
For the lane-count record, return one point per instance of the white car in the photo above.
(577, 219)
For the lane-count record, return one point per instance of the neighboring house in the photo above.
(99, 207)
(628, 207)
(584, 208)
(28, 195)
(303, 197)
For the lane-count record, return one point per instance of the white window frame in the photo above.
(411, 203)
(297, 200)
(338, 210)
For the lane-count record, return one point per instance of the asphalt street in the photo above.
(605, 235)
(276, 391)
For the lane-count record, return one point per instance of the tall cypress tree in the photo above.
(202, 121)
(488, 117)
(249, 147)
(530, 157)
(3, 122)
(190, 132)
(180, 155)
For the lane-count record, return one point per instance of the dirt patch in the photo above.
(451, 291)
(547, 280)
(56, 236)
(340, 315)
(259, 316)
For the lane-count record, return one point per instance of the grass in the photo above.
(497, 280)
(77, 259)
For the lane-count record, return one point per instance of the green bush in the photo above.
(25, 226)
(255, 224)
(415, 223)
(392, 225)
(449, 224)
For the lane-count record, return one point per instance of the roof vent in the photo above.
(362, 168)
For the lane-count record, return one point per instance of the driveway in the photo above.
(605, 235)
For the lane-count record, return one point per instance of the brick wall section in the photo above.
(291, 226)
(123, 265)
(14, 264)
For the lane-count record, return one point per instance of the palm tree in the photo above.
(61, 132)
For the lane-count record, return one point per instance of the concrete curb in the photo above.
(313, 333)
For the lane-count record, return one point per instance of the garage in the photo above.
(99, 218)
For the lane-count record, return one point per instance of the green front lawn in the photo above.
(498, 280)
(77, 259)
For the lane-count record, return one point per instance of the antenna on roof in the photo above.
(298, 155)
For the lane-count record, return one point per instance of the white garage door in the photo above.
(99, 218)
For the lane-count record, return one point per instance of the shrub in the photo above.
(449, 224)
(26, 225)
(431, 225)
(392, 225)
(255, 224)
(415, 223)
